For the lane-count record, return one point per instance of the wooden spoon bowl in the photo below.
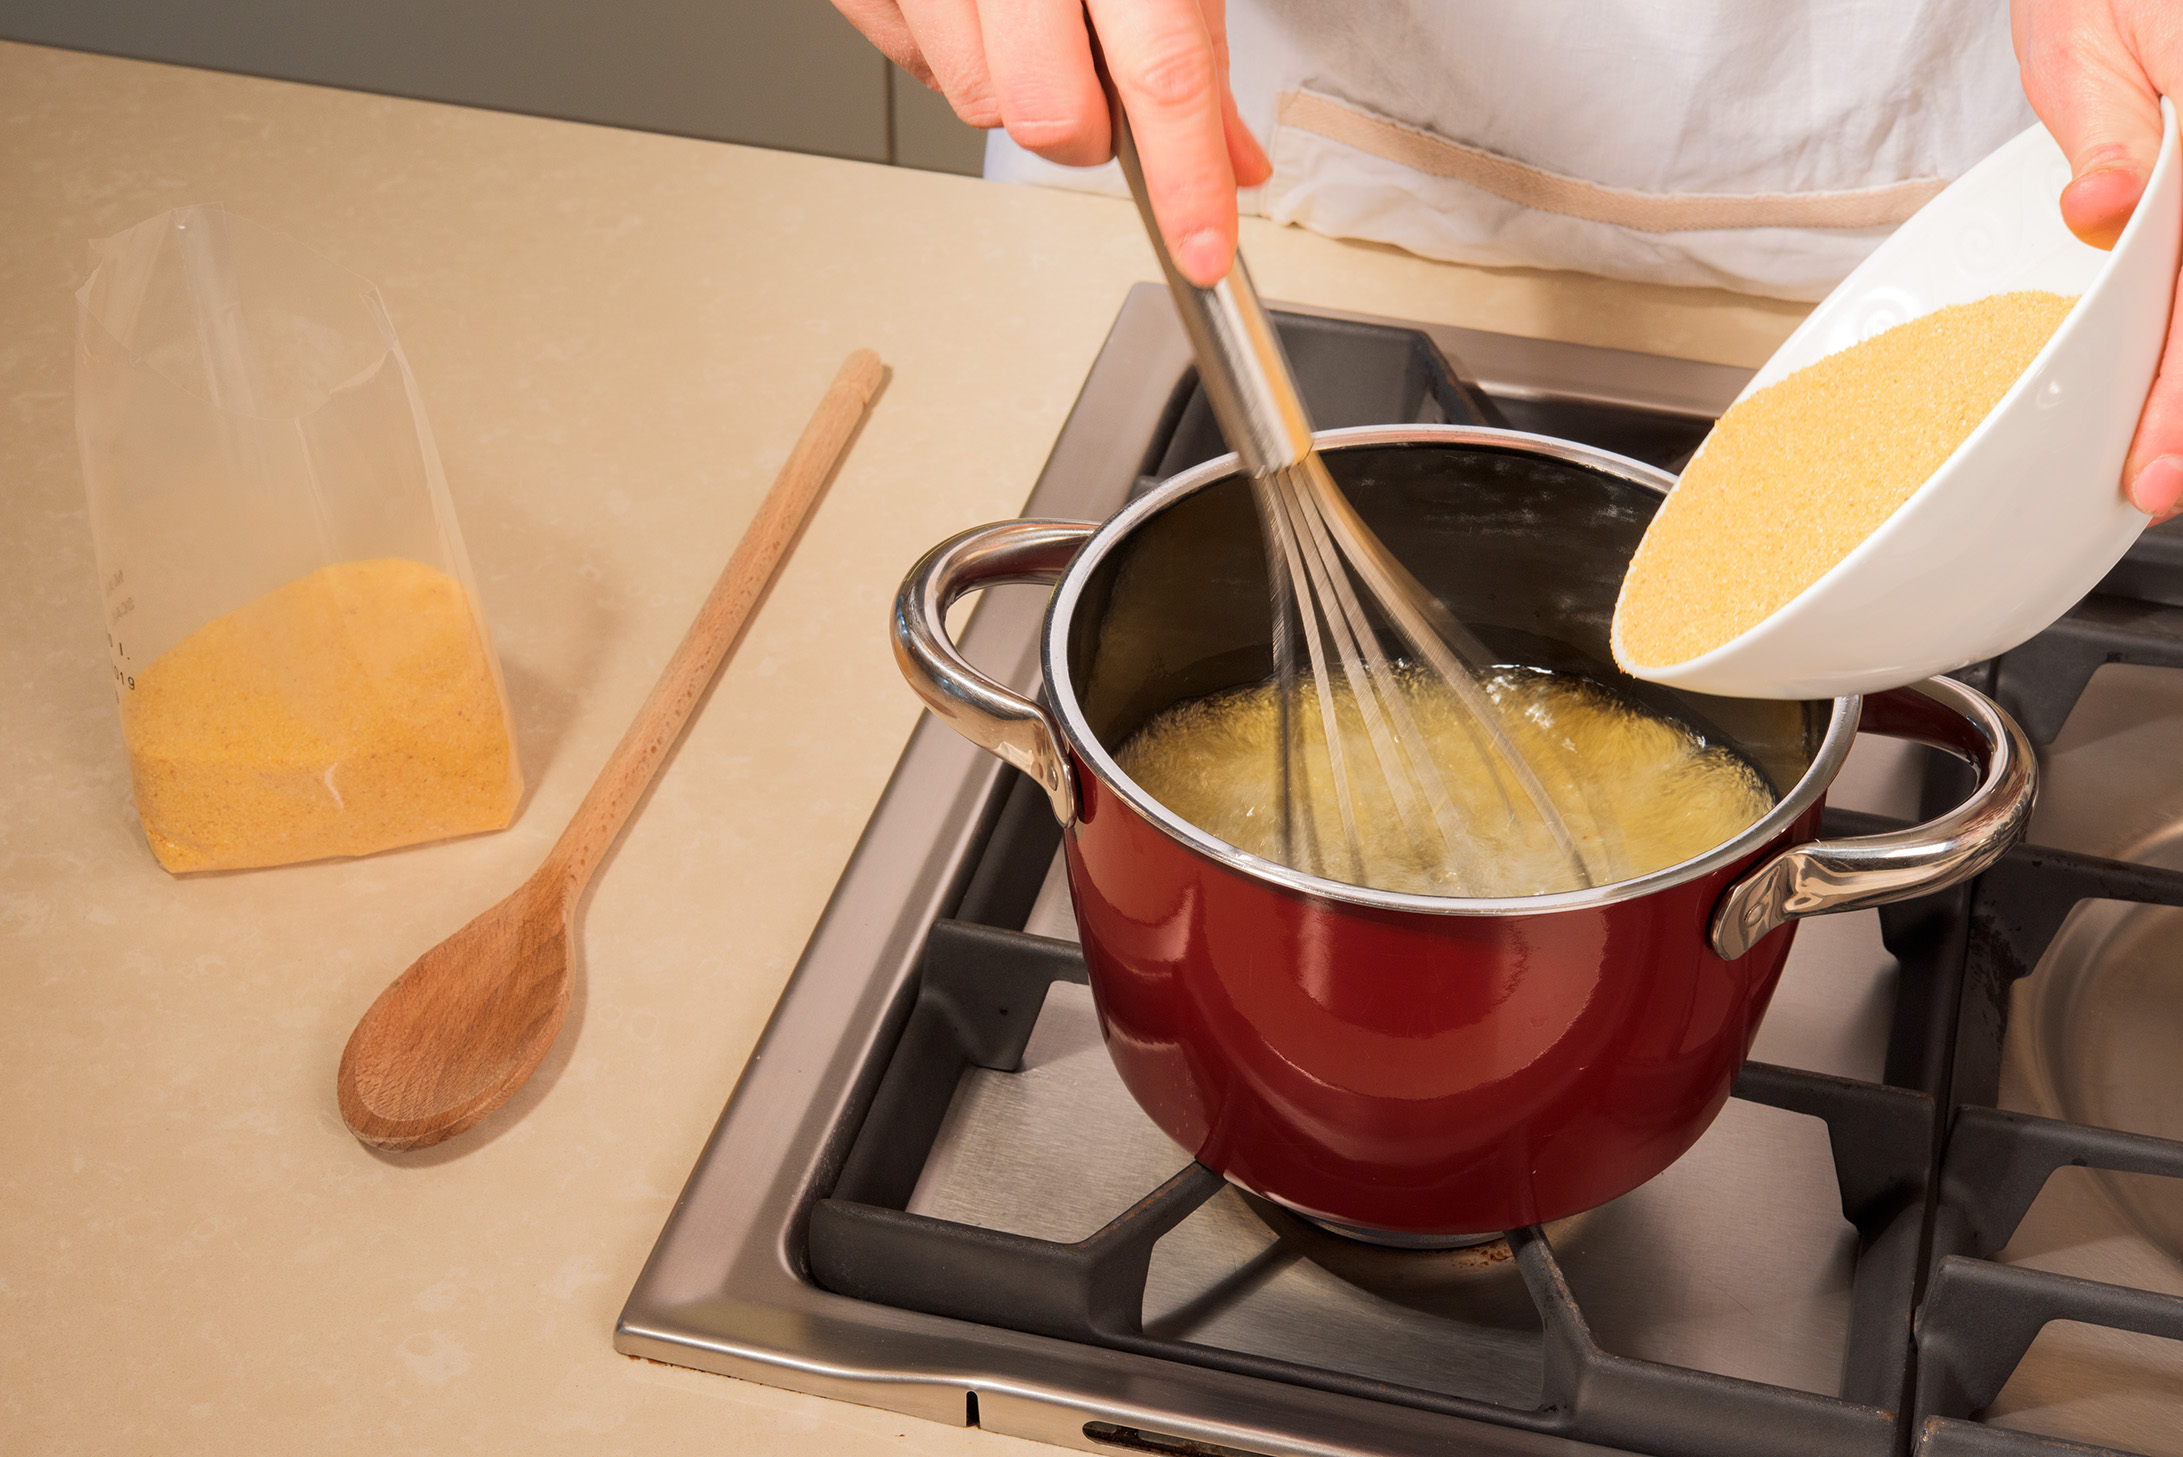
(457, 1033)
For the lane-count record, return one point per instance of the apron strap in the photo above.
(1645, 212)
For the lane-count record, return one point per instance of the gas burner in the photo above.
(930, 1191)
(1395, 1239)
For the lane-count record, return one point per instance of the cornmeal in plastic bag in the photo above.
(351, 711)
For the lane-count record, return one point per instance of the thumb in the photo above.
(2087, 85)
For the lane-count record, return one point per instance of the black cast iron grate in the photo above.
(980, 987)
(979, 992)
(1932, 1175)
(1978, 1319)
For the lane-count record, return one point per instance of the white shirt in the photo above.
(1750, 144)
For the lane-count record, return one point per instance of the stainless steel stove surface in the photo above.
(930, 1191)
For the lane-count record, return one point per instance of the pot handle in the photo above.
(994, 717)
(1844, 875)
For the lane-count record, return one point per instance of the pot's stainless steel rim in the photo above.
(1834, 745)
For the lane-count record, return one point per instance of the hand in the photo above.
(1026, 65)
(2095, 71)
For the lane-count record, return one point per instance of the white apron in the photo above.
(1760, 145)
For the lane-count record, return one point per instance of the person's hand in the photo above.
(1027, 65)
(2095, 71)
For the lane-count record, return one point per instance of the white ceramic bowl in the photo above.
(2029, 512)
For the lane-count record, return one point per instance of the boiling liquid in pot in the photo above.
(1638, 792)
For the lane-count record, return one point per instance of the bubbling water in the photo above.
(1637, 791)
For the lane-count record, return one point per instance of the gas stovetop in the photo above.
(1916, 1226)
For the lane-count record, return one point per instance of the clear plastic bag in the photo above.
(296, 645)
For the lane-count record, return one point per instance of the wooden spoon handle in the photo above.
(719, 623)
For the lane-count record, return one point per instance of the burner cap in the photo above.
(1395, 1239)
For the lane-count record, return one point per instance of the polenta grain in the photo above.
(349, 711)
(1792, 479)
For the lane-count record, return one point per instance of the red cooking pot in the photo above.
(1414, 1064)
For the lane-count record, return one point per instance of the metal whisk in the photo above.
(1315, 543)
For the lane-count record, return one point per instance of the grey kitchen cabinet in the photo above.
(927, 132)
(772, 73)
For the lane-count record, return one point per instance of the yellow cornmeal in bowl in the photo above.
(350, 711)
(1792, 479)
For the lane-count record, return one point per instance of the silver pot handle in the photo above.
(1844, 875)
(990, 715)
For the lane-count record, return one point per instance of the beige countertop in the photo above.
(617, 336)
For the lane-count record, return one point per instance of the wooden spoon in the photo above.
(457, 1033)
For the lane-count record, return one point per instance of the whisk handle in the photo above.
(1240, 363)
(990, 714)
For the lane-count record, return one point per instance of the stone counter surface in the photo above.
(618, 337)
